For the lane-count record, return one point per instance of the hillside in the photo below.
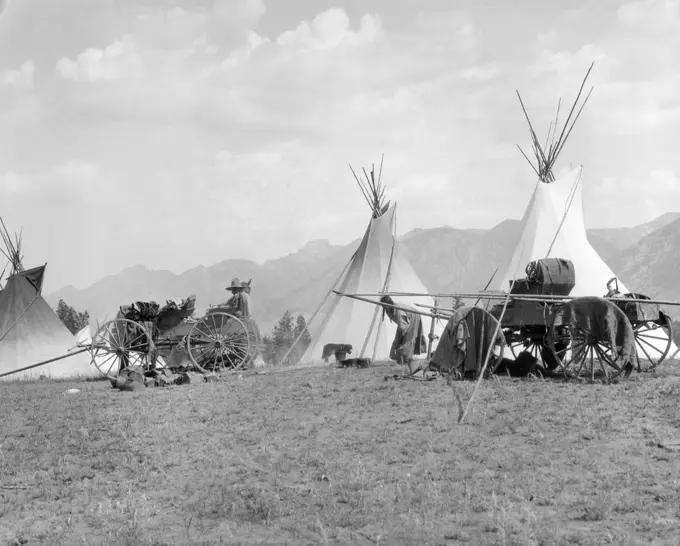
(652, 266)
(622, 238)
(446, 259)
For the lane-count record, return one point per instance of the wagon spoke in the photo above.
(641, 340)
(641, 347)
(646, 335)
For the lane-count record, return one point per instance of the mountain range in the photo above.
(447, 259)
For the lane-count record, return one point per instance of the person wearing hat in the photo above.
(239, 303)
(409, 339)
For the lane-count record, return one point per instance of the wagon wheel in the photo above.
(118, 344)
(219, 341)
(653, 341)
(588, 354)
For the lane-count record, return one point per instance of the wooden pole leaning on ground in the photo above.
(44, 362)
(488, 356)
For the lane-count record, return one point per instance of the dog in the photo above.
(333, 348)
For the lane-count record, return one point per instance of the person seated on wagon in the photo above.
(239, 303)
(408, 339)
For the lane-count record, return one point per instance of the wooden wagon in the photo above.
(584, 335)
(216, 342)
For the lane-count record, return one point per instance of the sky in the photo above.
(173, 133)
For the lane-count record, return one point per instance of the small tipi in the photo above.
(553, 223)
(30, 331)
(377, 266)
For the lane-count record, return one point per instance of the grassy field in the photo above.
(341, 457)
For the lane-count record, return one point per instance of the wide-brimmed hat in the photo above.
(235, 283)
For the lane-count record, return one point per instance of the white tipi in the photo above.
(553, 227)
(377, 266)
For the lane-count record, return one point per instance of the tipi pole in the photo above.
(502, 295)
(319, 307)
(421, 313)
(43, 362)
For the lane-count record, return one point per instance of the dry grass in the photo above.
(341, 457)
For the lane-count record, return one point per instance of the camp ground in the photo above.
(555, 301)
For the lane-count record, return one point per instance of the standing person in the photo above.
(239, 303)
(409, 339)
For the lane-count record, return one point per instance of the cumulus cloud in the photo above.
(22, 77)
(331, 28)
(228, 115)
(240, 55)
(119, 60)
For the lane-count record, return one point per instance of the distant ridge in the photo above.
(447, 259)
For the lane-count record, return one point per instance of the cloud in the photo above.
(77, 172)
(249, 12)
(246, 117)
(118, 61)
(240, 56)
(650, 15)
(21, 78)
(663, 181)
(644, 198)
(329, 29)
(12, 183)
(566, 63)
(62, 182)
(482, 72)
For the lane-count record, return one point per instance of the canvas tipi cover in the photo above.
(31, 332)
(346, 320)
(553, 226)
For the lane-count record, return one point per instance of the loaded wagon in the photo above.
(145, 335)
(595, 336)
